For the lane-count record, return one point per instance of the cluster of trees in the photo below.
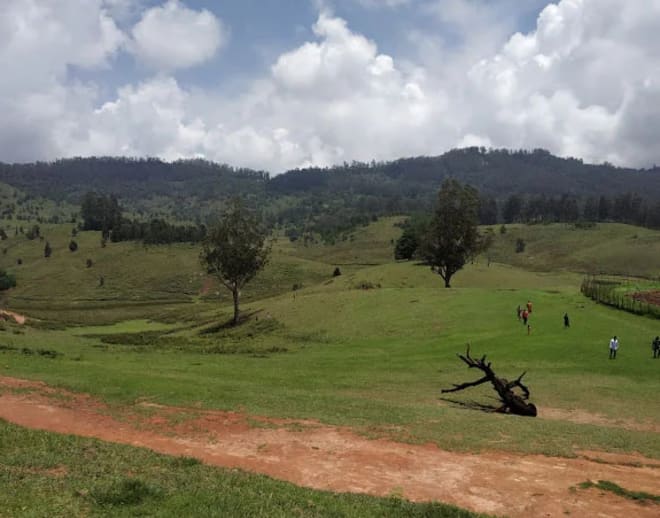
(100, 212)
(627, 207)
(103, 213)
(157, 232)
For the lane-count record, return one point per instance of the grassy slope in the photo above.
(375, 359)
(47, 474)
(607, 248)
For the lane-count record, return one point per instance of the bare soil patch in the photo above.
(584, 417)
(19, 319)
(650, 297)
(311, 454)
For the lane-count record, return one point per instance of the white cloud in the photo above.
(173, 36)
(39, 42)
(585, 82)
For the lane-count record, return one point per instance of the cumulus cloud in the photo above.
(173, 36)
(39, 42)
(574, 84)
(584, 82)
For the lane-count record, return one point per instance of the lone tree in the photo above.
(452, 238)
(235, 249)
(511, 402)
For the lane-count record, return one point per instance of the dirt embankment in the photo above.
(19, 319)
(310, 454)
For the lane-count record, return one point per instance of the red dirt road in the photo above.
(331, 458)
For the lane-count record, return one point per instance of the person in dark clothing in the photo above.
(567, 322)
(655, 345)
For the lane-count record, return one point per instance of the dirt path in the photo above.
(19, 319)
(331, 458)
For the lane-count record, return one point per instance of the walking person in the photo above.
(614, 347)
(529, 306)
(525, 316)
(655, 345)
(519, 312)
(567, 322)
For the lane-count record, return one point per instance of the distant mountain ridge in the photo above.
(497, 173)
(330, 201)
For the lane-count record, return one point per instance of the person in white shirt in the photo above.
(614, 347)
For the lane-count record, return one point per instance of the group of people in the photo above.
(524, 314)
(614, 347)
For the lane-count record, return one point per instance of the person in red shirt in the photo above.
(525, 316)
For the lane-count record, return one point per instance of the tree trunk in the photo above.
(511, 402)
(235, 293)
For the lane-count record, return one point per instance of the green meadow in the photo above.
(370, 349)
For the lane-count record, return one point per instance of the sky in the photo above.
(282, 84)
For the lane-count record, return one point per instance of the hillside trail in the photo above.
(332, 458)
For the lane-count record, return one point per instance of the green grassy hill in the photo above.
(371, 347)
(610, 248)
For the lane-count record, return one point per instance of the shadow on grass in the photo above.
(470, 405)
(229, 324)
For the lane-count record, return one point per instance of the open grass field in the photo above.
(369, 349)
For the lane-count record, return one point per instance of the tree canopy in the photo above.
(452, 238)
(235, 249)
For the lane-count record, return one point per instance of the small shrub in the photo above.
(48, 251)
(297, 286)
(520, 245)
(73, 246)
(89, 263)
(7, 280)
(503, 229)
(337, 272)
(19, 261)
(128, 491)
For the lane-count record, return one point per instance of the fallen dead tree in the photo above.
(511, 401)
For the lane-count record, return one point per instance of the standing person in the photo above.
(525, 316)
(567, 322)
(614, 347)
(529, 306)
(655, 345)
(519, 312)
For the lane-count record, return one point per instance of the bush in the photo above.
(33, 233)
(520, 245)
(7, 280)
(502, 229)
(89, 263)
(73, 246)
(337, 272)
(47, 250)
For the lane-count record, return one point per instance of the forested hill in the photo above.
(497, 173)
(342, 196)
